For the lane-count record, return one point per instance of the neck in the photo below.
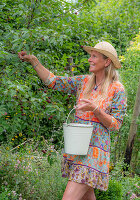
(99, 78)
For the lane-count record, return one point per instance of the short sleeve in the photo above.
(118, 109)
(65, 84)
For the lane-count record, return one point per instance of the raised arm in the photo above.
(60, 83)
(42, 72)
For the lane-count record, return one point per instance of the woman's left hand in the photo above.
(86, 105)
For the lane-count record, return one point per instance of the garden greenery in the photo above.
(28, 109)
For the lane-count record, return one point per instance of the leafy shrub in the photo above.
(26, 173)
(38, 28)
(129, 74)
(129, 183)
(114, 192)
(54, 35)
(34, 172)
(130, 71)
(29, 109)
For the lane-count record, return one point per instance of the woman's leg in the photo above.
(75, 191)
(89, 195)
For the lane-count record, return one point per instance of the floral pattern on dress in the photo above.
(84, 174)
(92, 169)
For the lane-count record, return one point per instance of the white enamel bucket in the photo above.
(77, 137)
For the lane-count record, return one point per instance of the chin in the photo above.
(91, 70)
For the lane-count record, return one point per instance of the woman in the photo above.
(101, 100)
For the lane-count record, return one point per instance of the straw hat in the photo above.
(107, 49)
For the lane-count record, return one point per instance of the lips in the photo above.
(92, 66)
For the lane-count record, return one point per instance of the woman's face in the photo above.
(97, 62)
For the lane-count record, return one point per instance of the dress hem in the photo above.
(88, 176)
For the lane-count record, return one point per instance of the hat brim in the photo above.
(114, 59)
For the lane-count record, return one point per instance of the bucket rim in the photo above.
(78, 125)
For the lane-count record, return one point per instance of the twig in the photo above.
(20, 144)
(36, 157)
(67, 12)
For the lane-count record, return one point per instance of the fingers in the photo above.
(22, 55)
(85, 101)
(26, 58)
(81, 107)
(85, 105)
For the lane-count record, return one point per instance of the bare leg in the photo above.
(89, 195)
(75, 191)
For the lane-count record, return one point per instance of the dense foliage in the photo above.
(54, 31)
(28, 175)
(52, 35)
(129, 75)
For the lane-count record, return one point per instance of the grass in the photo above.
(35, 174)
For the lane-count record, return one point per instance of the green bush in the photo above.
(130, 71)
(33, 171)
(129, 75)
(114, 192)
(30, 110)
(128, 181)
(39, 28)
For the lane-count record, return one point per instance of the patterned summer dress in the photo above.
(92, 169)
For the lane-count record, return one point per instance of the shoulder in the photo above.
(116, 90)
(87, 78)
(117, 86)
(85, 81)
(81, 78)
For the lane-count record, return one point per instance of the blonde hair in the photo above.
(111, 75)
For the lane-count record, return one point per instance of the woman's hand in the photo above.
(86, 105)
(28, 58)
(42, 72)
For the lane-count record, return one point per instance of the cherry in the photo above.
(48, 100)
(44, 151)
(23, 53)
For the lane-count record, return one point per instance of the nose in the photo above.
(90, 59)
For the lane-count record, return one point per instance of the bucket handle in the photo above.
(71, 112)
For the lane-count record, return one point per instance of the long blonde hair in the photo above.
(111, 75)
